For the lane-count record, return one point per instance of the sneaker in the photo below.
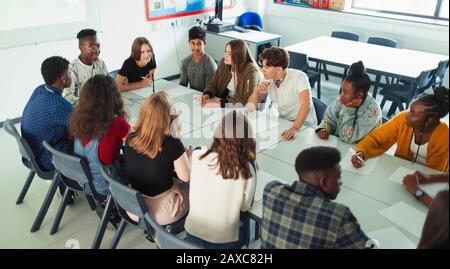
(114, 219)
(72, 197)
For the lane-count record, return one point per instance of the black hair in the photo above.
(436, 104)
(317, 159)
(359, 78)
(85, 33)
(197, 32)
(53, 68)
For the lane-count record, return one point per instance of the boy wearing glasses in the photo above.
(197, 69)
(86, 65)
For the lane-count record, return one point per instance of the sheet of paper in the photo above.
(313, 139)
(367, 169)
(262, 180)
(392, 238)
(433, 188)
(399, 174)
(178, 91)
(405, 216)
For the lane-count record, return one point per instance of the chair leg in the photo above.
(60, 212)
(318, 88)
(325, 71)
(25, 187)
(392, 109)
(103, 223)
(91, 202)
(118, 234)
(46, 204)
(383, 102)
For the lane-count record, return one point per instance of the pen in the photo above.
(418, 182)
(357, 156)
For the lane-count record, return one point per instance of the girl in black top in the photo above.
(139, 69)
(152, 154)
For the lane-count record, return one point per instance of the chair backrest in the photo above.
(74, 171)
(320, 108)
(166, 240)
(113, 74)
(382, 41)
(298, 61)
(126, 198)
(249, 18)
(345, 35)
(423, 81)
(384, 119)
(28, 157)
(439, 73)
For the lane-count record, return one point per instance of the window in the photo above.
(435, 9)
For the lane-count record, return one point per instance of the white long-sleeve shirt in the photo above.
(216, 203)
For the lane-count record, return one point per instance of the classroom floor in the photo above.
(79, 223)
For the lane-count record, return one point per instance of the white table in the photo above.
(217, 41)
(404, 64)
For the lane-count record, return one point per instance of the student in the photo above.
(412, 182)
(139, 69)
(99, 127)
(289, 88)
(152, 154)
(222, 186)
(303, 215)
(87, 65)
(435, 229)
(46, 114)
(197, 69)
(354, 113)
(420, 134)
(235, 78)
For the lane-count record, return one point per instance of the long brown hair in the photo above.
(100, 101)
(153, 125)
(435, 229)
(234, 146)
(136, 47)
(240, 55)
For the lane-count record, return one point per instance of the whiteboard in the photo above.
(24, 22)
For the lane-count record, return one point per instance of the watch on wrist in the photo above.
(419, 193)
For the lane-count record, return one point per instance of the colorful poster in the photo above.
(166, 9)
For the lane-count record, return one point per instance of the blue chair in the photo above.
(382, 41)
(113, 74)
(342, 35)
(438, 76)
(74, 172)
(299, 61)
(250, 20)
(399, 93)
(128, 200)
(320, 108)
(166, 240)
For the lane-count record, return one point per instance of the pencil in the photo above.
(326, 123)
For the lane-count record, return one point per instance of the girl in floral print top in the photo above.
(354, 113)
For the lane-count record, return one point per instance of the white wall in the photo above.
(296, 24)
(120, 22)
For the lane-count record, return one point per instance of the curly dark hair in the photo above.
(86, 32)
(317, 159)
(234, 147)
(275, 56)
(197, 32)
(53, 68)
(100, 102)
(436, 104)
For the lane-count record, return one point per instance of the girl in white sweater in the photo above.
(223, 182)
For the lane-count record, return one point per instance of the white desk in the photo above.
(216, 41)
(380, 60)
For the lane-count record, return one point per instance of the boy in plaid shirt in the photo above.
(303, 215)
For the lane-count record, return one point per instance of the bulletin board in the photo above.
(166, 9)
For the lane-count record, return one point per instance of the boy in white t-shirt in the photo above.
(286, 87)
